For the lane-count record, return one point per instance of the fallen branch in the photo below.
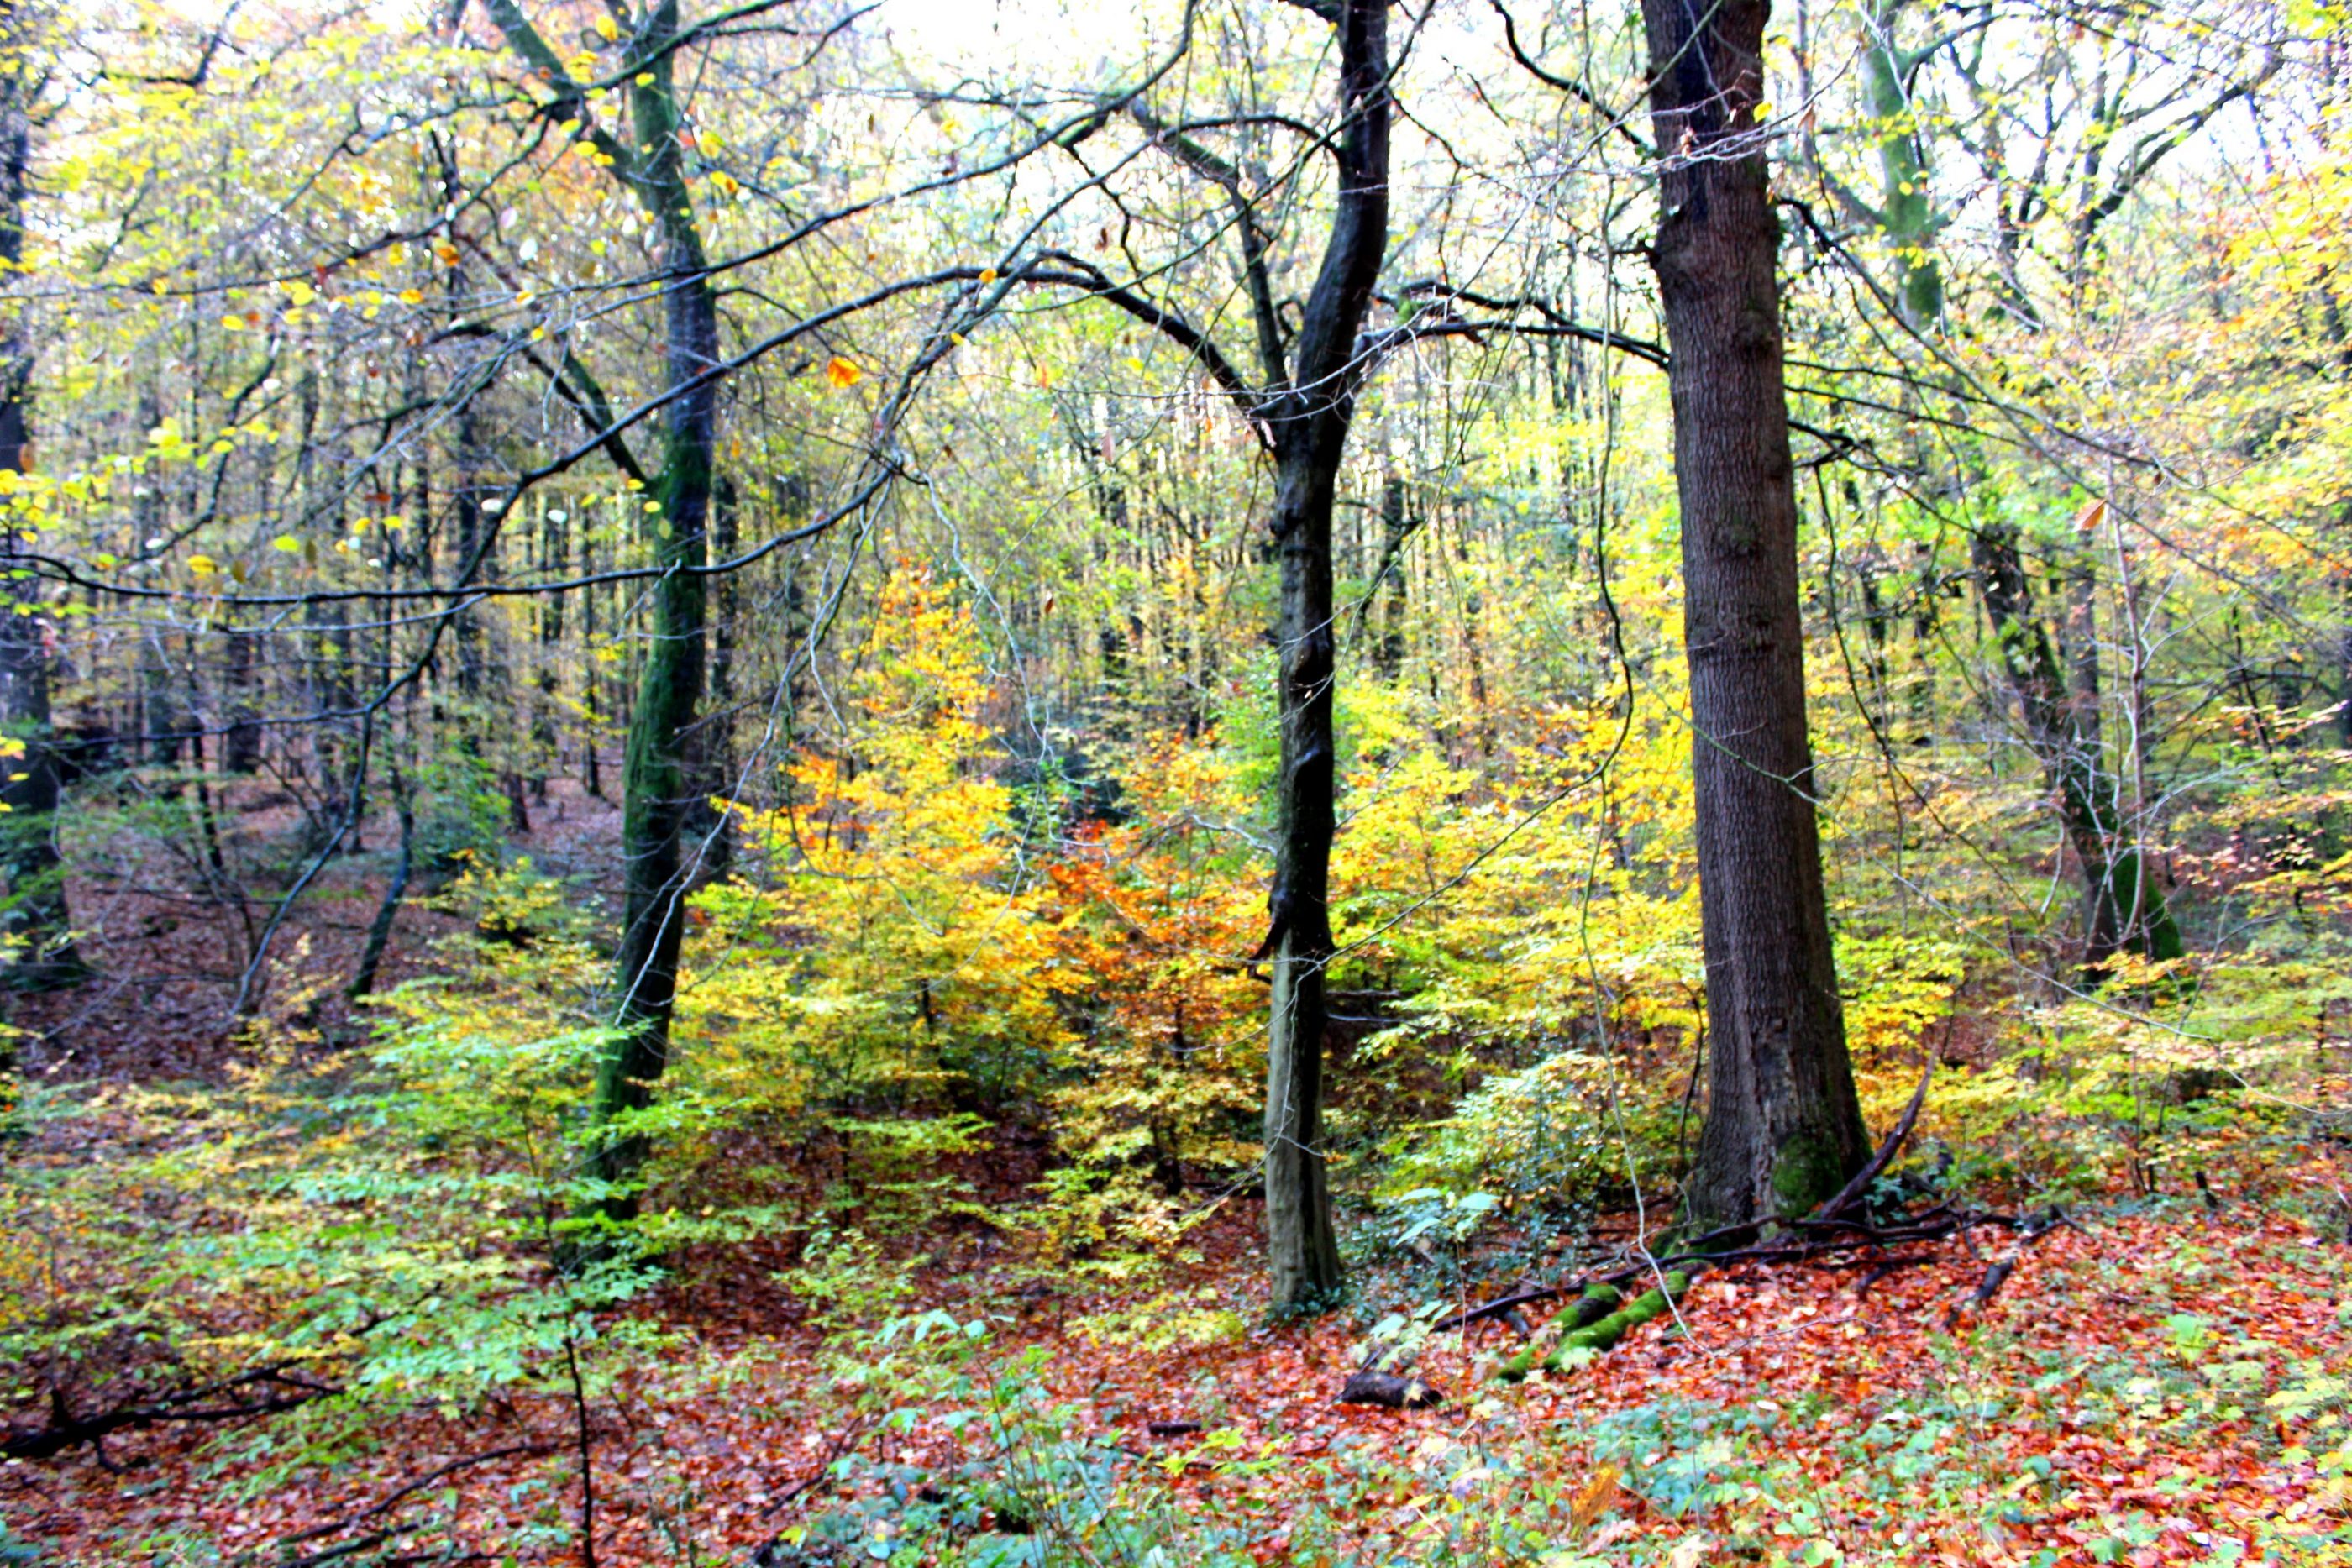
(1859, 1187)
(1602, 1332)
(66, 1430)
(392, 1498)
(2029, 1232)
(1386, 1388)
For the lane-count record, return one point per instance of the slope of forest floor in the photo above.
(2163, 1382)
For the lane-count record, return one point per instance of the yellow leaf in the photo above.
(607, 28)
(233, 323)
(1594, 1495)
(988, 275)
(411, 297)
(203, 565)
(840, 372)
(301, 292)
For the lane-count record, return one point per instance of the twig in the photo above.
(421, 1482)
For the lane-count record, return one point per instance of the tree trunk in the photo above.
(38, 927)
(1783, 1127)
(662, 776)
(714, 829)
(2121, 909)
(387, 909)
(1389, 578)
(1310, 421)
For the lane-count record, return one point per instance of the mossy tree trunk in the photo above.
(662, 778)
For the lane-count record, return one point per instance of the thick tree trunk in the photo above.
(38, 926)
(1310, 421)
(1783, 1127)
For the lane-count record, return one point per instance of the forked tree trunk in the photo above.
(2122, 907)
(1309, 421)
(1783, 1127)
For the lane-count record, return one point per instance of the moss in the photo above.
(1600, 1332)
(1807, 1174)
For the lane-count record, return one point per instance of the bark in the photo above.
(241, 748)
(714, 829)
(1397, 527)
(1783, 1128)
(1309, 419)
(37, 924)
(662, 776)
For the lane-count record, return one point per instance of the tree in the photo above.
(1312, 371)
(38, 924)
(2130, 100)
(1309, 416)
(1783, 1127)
(661, 777)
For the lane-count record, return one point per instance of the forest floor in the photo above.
(2166, 1379)
(2136, 1392)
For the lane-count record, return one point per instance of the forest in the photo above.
(1187, 784)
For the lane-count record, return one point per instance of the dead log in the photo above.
(1385, 1388)
(1603, 1331)
(270, 1391)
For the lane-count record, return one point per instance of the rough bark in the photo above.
(1783, 1127)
